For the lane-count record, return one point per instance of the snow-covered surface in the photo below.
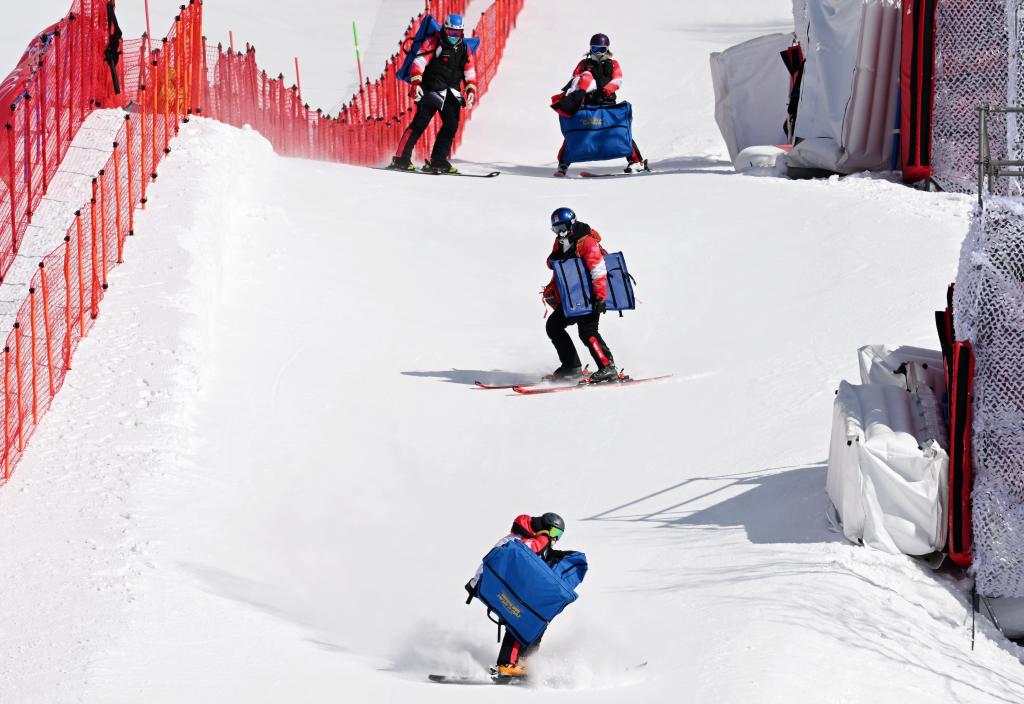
(268, 476)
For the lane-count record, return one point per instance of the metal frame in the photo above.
(987, 166)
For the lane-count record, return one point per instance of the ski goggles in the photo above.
(598, 50)
(453, 32)
(553, 533)
(561, 228)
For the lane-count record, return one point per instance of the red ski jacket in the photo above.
(521, 527)
(588, 248)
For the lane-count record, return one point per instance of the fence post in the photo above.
(13, 188)
(103, 226)
(42, 125)
(17, 374)
(117, 205)
(94, 284)
(46, 325)
(28, 155)
(166, 73)
(7, 412)
(58, 107)
(81, 277)
(131, 189)
(67, 302)
(32, 353)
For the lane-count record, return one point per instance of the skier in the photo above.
(577, 239)
(595, 81)
(438, 72)
(539, 533)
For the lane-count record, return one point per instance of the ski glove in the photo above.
(416, 92)
(470, 96)
(600, 306)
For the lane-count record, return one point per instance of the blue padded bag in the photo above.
(620, 283)
(571, 569)
(526, 594)
(574, 288)
(598, 133)
(573, 282)
(428, 27)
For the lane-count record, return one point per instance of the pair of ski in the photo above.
(500, 679)
(547, 386)
(490, 174)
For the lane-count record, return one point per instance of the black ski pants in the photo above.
(587, 327)
(512, 650)
(450, 108)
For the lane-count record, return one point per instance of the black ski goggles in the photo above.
(599, 50)
(561, 228)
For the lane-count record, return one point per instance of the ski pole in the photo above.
(359, 61)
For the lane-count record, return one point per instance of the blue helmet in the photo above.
(562, 220)
(454, 28)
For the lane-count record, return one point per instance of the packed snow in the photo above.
(269, 475)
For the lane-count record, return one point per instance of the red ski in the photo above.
(536, 389)
(525, 385)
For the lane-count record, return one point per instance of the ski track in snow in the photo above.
(274, 412)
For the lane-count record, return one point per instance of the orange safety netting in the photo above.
(63, 77)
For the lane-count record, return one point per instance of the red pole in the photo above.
(67, 302)
(7, 412)
(298, 77)
(32, 353)
(94, 285)
(28, 155)
(81, 278)
(149, 32)
(46, 326)
(17, 373)
(131, 189)
(14, 188)
(117, 205)
(103, 226)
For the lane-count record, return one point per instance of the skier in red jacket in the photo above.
(595, 82)
(578, 239)
(438, 72)
(539, 533)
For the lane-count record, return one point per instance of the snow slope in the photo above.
(268, 476)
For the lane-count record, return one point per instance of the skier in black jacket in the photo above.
(438, 72)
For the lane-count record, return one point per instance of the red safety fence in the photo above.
(63, 78)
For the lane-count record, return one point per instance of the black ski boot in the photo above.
(439, 167)
(563, 373)
(562, 169)
(635, 167)
(401, 164)
(605, 374)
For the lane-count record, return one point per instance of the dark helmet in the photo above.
(551, 523)
(600, 40)
(562, 221)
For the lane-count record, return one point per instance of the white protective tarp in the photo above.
(905, 366)
(887, 469)
(751, 92)
(850, 86)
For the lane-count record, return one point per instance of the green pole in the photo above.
(359, 61)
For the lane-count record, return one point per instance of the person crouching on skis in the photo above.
(539, 533)
(578, 239)
(594, 83)
(444, 63)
